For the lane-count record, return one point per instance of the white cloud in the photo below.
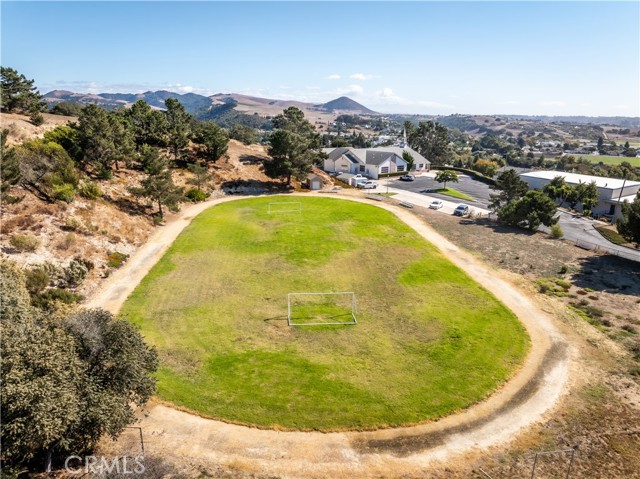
(361, 76)
(350, 90)
(335, 76)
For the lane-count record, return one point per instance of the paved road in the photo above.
(576, 228)
(581, 230)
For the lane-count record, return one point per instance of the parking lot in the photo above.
(477, 190)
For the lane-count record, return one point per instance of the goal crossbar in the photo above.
(285, 207)
(352, 320)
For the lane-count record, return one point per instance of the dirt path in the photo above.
(532, 392)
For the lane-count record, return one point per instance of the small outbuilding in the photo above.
(314, 182)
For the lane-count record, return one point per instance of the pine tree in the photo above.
(158, 186)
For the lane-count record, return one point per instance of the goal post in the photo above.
(284, 207)
(320, 309)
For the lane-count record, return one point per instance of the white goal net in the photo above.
(315, 309)
(285, 207)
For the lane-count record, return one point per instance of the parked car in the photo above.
(436, 205)
(461, 210)
(367, 185)
(407, 178)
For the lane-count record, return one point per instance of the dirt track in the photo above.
(532, 392)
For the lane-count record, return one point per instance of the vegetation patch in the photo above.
(429, 340)
(453, 192)
(611, 235)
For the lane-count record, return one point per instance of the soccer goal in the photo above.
(318, 309)
(285, 207)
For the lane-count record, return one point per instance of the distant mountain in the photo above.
(346, 104)
(192, 102)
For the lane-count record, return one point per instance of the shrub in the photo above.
(36, 118)
(72, 224)
(64, 192)
(67, 242)
(72, 275)
(563, 269)
(24, 243)
(157, 220)
(630, 329)
(556, 232)
(90, 190)
(196, 195)
(47, 299)
(115, 259)
(36, 279)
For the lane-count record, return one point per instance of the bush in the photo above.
(36, 279)
(67, 242)
(36, 118)
(72, 275)
(196, 195)
(72, 224)
(556, 232)
(47, 299)
(90, 190)
(115, 259)
(24, 243)
(563, 269)
(64, 192)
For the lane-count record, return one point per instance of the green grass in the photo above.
(611, 235)
(429, 340)
(610, 160)
(454, 193)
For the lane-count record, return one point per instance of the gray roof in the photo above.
(417, 157)
(373, 156)
(336, 153)
(377, 157)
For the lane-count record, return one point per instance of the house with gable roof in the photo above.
(372, 162)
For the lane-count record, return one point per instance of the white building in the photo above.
(372, 162)
(611, 191)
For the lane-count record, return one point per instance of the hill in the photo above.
(346, 104)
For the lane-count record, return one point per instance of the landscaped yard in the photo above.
(454, 193)
(428, 342)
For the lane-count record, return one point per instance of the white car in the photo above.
(368, 185)
(436, 205)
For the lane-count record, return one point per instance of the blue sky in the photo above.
(556, 58)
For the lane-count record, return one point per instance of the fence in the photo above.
(602, 249)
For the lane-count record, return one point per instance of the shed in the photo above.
(315, 182)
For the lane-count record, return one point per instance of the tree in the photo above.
(104, 138)
(148, 127)
(529, 211)
(629, 224)
(587, 194)
(68, 138)
(201, 176)
(46, 169)
(244, 134)
(158, 186)
(557, 189)
(9, 168)
(66, 108)
(294, 146)
(600, 145)
(408, 157)
(511, 188)
(431, 140)
(67, 380)
(445, 176)
(486, 167)
(214, 140)
(18, 93)
(178, 126)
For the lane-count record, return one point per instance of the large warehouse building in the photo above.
(611, 191)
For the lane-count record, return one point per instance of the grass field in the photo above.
(610, 160)
(428, 341)
(454, 193)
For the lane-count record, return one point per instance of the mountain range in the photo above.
(199, 105)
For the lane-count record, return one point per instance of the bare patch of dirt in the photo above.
(21, 129)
